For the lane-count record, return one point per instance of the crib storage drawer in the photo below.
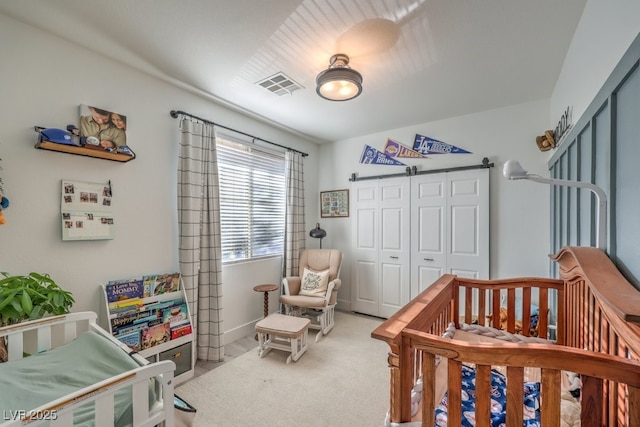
(180, 355)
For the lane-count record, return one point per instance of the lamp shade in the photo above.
(513, 170)
(339, 82)
(317, 233)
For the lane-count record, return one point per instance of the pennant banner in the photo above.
(396, 149)
(372, 156)
(426, 145)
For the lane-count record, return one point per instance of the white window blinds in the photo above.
(252, 201)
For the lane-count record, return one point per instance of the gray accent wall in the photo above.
(603, 147)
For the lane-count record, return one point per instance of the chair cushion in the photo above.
(314, 283)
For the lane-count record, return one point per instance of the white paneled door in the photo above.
(381, 251)
(450, 226)
(428, 246)
(365, 238)
(408, 231)
(394, 257)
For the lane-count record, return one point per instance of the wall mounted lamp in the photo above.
(513, 170)
(339, 82)
(318, 233)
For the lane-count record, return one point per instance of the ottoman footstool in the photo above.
(282, 332)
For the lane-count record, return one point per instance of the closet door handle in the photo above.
(429, 259)
(393, 257)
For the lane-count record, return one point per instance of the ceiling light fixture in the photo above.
(339, 82)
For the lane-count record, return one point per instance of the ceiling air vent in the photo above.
(280, 84)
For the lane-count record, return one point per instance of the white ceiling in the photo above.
(446, 57)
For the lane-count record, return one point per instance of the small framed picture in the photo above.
(334, 204)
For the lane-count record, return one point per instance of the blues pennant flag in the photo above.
(372, 156)
(396, 149)
(425, 145)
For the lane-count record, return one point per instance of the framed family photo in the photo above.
(334, 204)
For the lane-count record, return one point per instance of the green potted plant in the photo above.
(30, 297)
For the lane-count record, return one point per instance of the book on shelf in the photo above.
(132, 317)
(180, 329)
(175, 313)
(124, 330)
(155, 335)
(124, 305)
(166, 283)
(121, 290)
(148, 284)
(131, 339)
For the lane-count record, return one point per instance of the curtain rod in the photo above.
(174, 114)
(414, 171)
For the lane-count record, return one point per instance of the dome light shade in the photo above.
(318, 233)
(339, 82)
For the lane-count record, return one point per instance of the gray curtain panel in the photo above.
(200, 250)
(295, 228)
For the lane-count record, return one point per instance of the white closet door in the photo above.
(450, 226)
(428, 246)
(394, 254)
(365, 292)
(468, 223)
(408, 232)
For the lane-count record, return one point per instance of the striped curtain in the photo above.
(200, 253)
(295, 228)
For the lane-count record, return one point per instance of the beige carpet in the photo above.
(343, 380)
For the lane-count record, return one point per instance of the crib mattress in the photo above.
(90, 358)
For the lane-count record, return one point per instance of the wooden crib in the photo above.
(592, 314)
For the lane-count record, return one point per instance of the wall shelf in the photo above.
(82, 151)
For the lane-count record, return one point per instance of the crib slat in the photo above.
(428, 389)
(511, 310)
(454, 393)
(515, 395)
(468, 304)
(63, 420)
(482, 310)
(104, 414)
(140, 394)
(495, 306)
(591, 402)
(543, 313)
(44, 338)
(15, 347)
(634, 406)
(483, 396)
(550, 396)
(526, 311)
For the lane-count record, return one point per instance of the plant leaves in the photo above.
(8, 299)
(27, 304)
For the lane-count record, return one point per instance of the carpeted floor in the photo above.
(343, 380)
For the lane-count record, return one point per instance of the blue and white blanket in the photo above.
(498, 401)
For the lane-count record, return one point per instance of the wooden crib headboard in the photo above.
(598, 310)
(603, 308)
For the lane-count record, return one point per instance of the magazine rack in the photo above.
(152, 319)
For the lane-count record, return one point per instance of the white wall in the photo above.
(519, 241)
(603, 35)
(43, 80)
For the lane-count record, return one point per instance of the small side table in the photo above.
(266, 289)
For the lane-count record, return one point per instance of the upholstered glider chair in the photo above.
(314, 293)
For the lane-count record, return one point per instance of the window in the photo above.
(252, 201)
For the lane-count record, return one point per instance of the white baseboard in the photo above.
(240, 332)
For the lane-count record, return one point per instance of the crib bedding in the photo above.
(40, 378)
(570, 407)
(531, 401)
